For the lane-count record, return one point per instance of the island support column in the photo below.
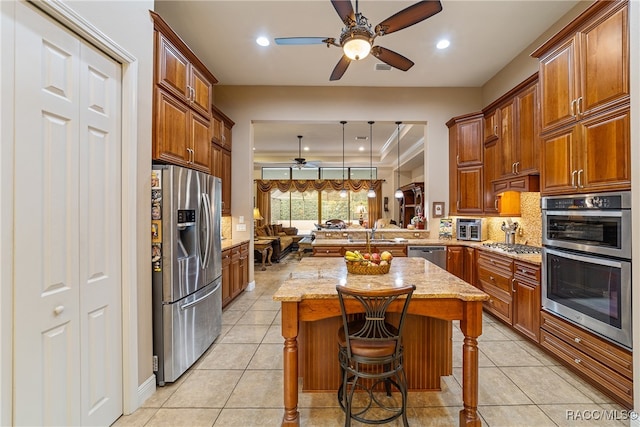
(471, 327)
(290, 360)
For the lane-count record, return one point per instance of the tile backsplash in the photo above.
(529, 223)
(226, 226)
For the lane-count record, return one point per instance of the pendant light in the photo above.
(343, 192)
(398, 194)
(371, 193)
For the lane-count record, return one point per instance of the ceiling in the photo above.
(485, 36)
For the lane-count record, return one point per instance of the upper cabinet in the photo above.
(585, 68)
(466, 150)
(221, 154)
(584, 87)
(182, 102)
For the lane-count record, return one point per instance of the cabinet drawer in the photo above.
(332, 251)
(529, 272)
(608, 354)
(396, 251)
(226, 257)
(498, 303)
(244, 250)
(494, 278)
(494, 262)
(606, 378)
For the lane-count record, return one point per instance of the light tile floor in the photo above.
(238, 381)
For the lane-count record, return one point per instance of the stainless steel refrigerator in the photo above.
(186, 267)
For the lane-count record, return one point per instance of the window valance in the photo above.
(301, 185)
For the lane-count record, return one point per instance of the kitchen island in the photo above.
(309, 298)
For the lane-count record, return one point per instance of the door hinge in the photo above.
(155, 363)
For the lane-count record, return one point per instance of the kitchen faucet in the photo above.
(373, 230)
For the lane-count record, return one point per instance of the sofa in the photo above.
(282, 238)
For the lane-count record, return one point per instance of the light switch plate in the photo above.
(241, 219)
(241, 227)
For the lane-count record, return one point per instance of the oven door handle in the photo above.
(582, 258)
(585, 212)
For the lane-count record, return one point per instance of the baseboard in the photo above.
(252, 285)
(146, 389)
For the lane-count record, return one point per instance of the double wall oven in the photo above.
(587, 262)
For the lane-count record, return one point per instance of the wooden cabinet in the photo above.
(494, 277)
(411, 202)
(491, 173)
(466, 186)
(609, 367)
(584, 70)
(181, 136)
(235, 272)
(182, 102)
(221, 154)
(526, 299)
(461, 263)
(455, 261)
(584, 86)
(592, 156)
(339, 251)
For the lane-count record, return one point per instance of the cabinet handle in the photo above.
(458, 159)
(495, 203)
(513, 289)
(517, 168)
(577, 339)
(458, 204)
(573, 112)
(579, 105)
(495, 130)
(513, 168)
(58, 310)
(577, 360)
(573, 179)
(580, 172)
(493, 279)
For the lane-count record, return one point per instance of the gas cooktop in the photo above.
(514, 248)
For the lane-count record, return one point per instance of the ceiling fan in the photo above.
(357, 37)
(301, 162)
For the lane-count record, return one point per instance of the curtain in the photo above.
(264, 187)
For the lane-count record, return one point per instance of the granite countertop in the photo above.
(531, 258)
(229, 243)
(316, 278)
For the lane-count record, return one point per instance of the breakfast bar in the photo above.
(309, 298)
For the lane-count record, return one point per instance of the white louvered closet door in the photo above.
(67, 283)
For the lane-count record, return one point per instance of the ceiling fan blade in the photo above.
(340, 68)
(302, 40)
(345, 10)
(409, 16)
(392, 58)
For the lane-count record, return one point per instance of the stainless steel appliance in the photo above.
(471, 229)
(435, 254)
(186, 267)
(586, 262)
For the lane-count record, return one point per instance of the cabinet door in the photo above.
(226, 277)
(226, 136)
(455, 261)
(200, 143)
(236, 272)
(527, 148)
(171, 130)
(491, 167)
(491, 121)
(469, 142)
(172, 69)
(558, 86)
(606, 162)
(604, 62)
(469, 270)
(558, 167)
(244, 266)
(526, 308)
(506, 158)
(226, 182)
(470, 194)
(201, 93)
(216, 129)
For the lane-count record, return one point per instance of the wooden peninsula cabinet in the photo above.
(584, 87)
(182, 102)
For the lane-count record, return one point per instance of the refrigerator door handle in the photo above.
(207, 210)
(199, 300)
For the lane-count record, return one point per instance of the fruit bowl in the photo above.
(355, 267)
(368, 263)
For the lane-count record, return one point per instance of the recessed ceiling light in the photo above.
(262, 41)
(361, 148)
(443, 44)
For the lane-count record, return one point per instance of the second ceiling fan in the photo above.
(357, 37)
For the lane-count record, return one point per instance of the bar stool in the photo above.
(370, 353)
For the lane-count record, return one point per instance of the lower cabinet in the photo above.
(461, 263)
(338, 251)
(607, 366)
(526, 299)
(235, 272)
(495, 274)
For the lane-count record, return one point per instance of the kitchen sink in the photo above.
(359, 241)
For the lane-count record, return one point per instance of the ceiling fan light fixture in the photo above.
(356, 42)
(343, 193)
(371, 193)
